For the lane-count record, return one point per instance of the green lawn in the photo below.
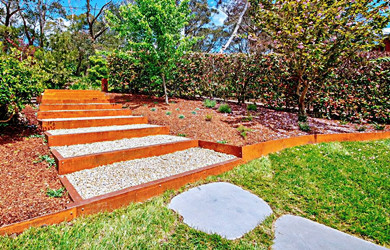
(342, 185)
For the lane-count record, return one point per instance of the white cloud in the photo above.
(218, 18)
(386, 31)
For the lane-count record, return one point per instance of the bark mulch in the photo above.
(24, 179)
(266, 124)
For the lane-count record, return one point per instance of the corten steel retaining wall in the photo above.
(114, 200)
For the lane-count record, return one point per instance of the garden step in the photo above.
(82, 122)
(82, 113)
(79, 106)
(122, 175)
(64, 137)
(75, 100)
(85, 156)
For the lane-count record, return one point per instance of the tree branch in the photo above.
(234, 34)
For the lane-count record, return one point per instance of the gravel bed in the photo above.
(100, 129)
(89, 118)
(109, 178)
(106, 146)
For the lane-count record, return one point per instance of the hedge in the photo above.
(358, 90)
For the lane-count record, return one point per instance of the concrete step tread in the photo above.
(107, 146)
(100, 129)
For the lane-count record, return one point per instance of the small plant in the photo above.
(222, 141)
(168, 113)
(182, 135)
(177, 109)
(224, 108)
(343, 122)
(379, 126)
(208, 117)
(155, 102)
(243, 131)
(252, 107)
(181, 117)
(173, 102)
(304, 126)
(46, 158)
(145, 105)
(302, 118)
(209, 103)
(55, 193)
(36, 136)
(153, 109)
(197, 109)
(193, 112)
(361, 128)
(247, 119)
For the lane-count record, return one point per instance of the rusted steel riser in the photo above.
(142, 192)
(76, 100)
(82, 138)
(51, 125)
(73, 164)
(52, 107)
(82, 113)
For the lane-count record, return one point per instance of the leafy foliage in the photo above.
(55, 193)
(209, 103)
(153, 30)
(224, 108)
(315, 36)
(20, 80)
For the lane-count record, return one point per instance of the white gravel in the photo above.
(106, 146)
(99, 129)
(89, 118)
(109, 178)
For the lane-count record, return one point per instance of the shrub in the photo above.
(243, 131)
(304, 126)
(153, 109)
(379, 126)
(224, 108)
(252, 107)
(208, 117)
(168, 113)
(181, 117)
(98, 70)
(182, 135)
(247, 119)
(193, 112)
(19, 81)
(209, 103)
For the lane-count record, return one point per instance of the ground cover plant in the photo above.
(342, 185)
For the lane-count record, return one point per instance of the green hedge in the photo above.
(358, 90)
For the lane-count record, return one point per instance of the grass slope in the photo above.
(342, 185)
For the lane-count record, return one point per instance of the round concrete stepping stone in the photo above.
(221, 208)
(294, 232)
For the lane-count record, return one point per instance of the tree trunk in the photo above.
(302, 115)
(165, 89)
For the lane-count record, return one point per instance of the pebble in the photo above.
(100, 129)
(106, 146)
(120, 175)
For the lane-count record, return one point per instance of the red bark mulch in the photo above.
(23, 180)
(267, 124)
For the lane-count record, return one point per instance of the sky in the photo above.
(79, 7)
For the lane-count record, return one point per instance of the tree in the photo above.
(314, 36)
(154, 30)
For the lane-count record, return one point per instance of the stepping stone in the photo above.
(294, 232)
(221, 208)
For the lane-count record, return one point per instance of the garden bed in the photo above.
(24, 178)
(188, 118)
